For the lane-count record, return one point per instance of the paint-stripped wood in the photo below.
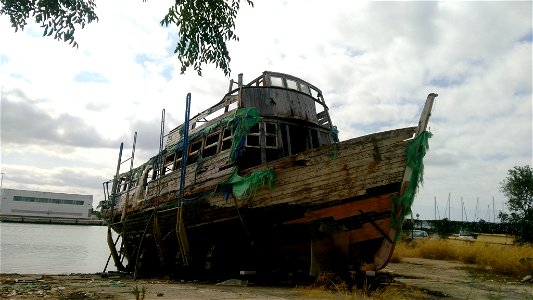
(350, 209)
(337, 195)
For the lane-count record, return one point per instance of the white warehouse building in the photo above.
(45, 204)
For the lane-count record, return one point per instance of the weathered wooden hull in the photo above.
(331, 209)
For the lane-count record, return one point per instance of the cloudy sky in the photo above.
(64, 111)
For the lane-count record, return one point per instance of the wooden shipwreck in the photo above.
(259, 183)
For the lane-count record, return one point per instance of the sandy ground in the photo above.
(457, 280)
(414, 278)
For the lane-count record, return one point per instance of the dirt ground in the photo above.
(457, 280)
(413, 278)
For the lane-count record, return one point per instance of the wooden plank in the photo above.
(220, 157)
(350, 209)
(316, 183)
(280, 103)
(287, 185)
(369, 232)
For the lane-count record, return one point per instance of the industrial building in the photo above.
(45, 204)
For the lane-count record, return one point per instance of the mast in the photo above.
(435, 202)
(493, 211)
(449, 207)
(462, 209)
(476, 217)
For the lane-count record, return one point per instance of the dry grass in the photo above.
(498, 259)
(330, 286)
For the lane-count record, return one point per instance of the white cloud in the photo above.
(374, 61)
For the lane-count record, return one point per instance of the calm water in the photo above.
(53, 249)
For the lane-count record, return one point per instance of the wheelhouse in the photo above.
(293, 118)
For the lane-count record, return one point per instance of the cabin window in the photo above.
(291, 84)
(314, 138)
(298, 139)
(324, 138)
(177, 161)
(293, 139)
(132, 181)
(315, 93)
(151, 174)
(270, 128)
(276, 81)
(272, 152)
(196, 146)
(194, 152)
(262, 144)
(226, 139)
(211, 145)
(169, 162)
(271, 136)
(271, 141)
(285, 145)
(304, 88)
(253, 139)
(124, 184)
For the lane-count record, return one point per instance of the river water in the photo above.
(53, 249)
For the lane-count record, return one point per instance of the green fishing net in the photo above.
(240, 123)
(203, 132)
(243, 187)
(244, 120)
(416, 150)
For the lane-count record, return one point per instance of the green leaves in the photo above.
(58, 17)
(518, 187)
(204, 28)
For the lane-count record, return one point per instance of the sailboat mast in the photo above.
(435, 202)
(493, 210)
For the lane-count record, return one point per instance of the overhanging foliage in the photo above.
(204, 26)
(58, 18)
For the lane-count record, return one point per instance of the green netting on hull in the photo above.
(243, 121)
(243, 187)
(203, 132)
(416, 150)
(240, 123)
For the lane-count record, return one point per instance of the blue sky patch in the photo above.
(528, 38)
(167, 72)
(3, 59)
(142, 58)
(354, 52)
(443, 82)
(86, 76)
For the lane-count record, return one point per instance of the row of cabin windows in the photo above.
(266, 141)
(263, 134)
(202, 148)
(290, 84)
(270, 141)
